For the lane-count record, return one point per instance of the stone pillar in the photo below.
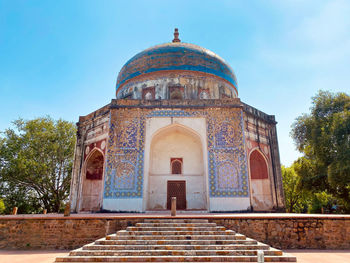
(14, 210)
(67, 209)
(173, 206)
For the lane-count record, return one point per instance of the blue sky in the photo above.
(61, 58)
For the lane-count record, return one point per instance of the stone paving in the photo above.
(303, 256)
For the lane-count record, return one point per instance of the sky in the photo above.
(62, 58)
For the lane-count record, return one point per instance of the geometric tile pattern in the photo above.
(125, 153)
(227, 162)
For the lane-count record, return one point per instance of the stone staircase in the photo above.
(175, 240)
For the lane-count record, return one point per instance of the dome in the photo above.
(176, 56)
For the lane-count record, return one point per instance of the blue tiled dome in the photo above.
(176, 56)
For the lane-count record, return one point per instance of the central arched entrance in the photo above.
(176, 168)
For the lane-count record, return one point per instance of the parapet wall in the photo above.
(282, 231)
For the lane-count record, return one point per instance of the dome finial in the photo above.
(176, 36)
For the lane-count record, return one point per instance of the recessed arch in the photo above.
(176, 126)
(258, 165)
(176, 153)
(260, 185)
(94, 165)
(176, 141)
(92, 181)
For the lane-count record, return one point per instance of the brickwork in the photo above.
(288, 231)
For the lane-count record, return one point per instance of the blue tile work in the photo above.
(178, 56)
(227, 163)
(125, 154)
(170, 113)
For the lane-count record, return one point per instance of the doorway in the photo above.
(177, 189)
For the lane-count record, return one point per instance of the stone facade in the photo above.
(176, 101)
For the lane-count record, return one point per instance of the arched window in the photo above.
(148, 96)
(176, 92)
(148, 93)
(94, 166)
(258, 167)
(176, 95)
(176, 165)
(204, 95)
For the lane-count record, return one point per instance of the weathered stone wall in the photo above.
(56, 233)
(322, 232)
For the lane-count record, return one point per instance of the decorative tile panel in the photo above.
(227, 162)
(124, 169)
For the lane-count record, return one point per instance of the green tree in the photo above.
(36, 163)
(323, 136)
(296, 197)
(2, 206)
(322, 202)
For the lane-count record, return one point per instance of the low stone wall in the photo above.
(283, 233)
(286, 231)
(56, 233)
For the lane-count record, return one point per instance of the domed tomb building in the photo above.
(176, 129)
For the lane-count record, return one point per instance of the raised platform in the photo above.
(54, 231)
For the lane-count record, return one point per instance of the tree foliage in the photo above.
(2, 206)
(36, 163)
(296, 198)
(323, 136)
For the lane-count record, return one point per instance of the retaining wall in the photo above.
(283, 231)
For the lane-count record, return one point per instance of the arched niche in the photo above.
(258, 166)
(176, 165)
(260, 182)
(175, 148)
(92, 181)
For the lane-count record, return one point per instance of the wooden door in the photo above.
(177, 189)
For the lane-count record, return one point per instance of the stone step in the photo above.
(177, 233)
(176, 224)
(176, 237)
(175, 240)
(258, 246)
(175, 221)
(284, 258)
(123, 253)
(246, 241)
(168, 228)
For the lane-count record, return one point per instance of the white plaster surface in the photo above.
(195, 195)
(123, 205)
(176, 142)
(229, 204)
(91, 199)
(175, 138)
(261, 194)
(191, 82)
